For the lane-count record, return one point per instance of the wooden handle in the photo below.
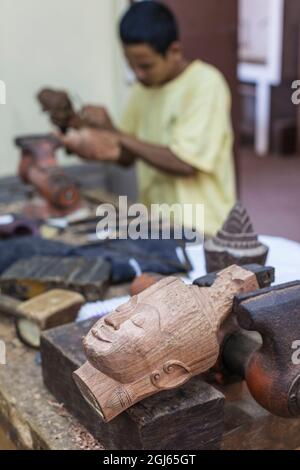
(9, 306)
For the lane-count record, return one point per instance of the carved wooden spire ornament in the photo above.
(159, 340)
(236, 243)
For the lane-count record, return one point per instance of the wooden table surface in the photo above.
(29, 414)
(34, 420)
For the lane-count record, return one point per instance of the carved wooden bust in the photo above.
(157, 341)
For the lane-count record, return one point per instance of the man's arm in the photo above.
(132, 148)
(124, 149)
(158, 156)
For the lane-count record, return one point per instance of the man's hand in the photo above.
(92, 144)
(97, 117)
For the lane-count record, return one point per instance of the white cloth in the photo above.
(284, 256)
(101, 309)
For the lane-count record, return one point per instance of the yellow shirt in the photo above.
(191, 116)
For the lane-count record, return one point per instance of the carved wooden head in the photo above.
(157, 341)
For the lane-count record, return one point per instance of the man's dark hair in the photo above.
(149, 22)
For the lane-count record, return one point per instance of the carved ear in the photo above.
(173, 375)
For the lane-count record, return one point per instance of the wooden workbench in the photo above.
(33, 419)
(28, 413)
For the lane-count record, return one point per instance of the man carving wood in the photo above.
(176, 127)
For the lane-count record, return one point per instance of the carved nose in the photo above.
(112, 322)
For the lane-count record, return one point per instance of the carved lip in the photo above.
(104, 333)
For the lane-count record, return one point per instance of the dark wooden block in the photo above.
(189, 418)
(28, 278)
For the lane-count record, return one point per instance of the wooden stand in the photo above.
(189, 418)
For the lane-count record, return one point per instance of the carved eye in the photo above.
(139, 321)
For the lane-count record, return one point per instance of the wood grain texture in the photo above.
(158, 341)
(28, 278)
(188, 418)
(54, 308)
(26, 412)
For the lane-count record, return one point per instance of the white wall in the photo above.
(69, 44)
(261, 39)
(254, 29)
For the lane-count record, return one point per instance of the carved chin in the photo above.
(95, 347)
(96, 355)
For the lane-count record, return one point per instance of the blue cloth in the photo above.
(126, 257)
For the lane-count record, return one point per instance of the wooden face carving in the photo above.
(157, 341)
(154, 330)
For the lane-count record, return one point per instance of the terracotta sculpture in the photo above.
(38, 166)
(158, 341)
(235, 243)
